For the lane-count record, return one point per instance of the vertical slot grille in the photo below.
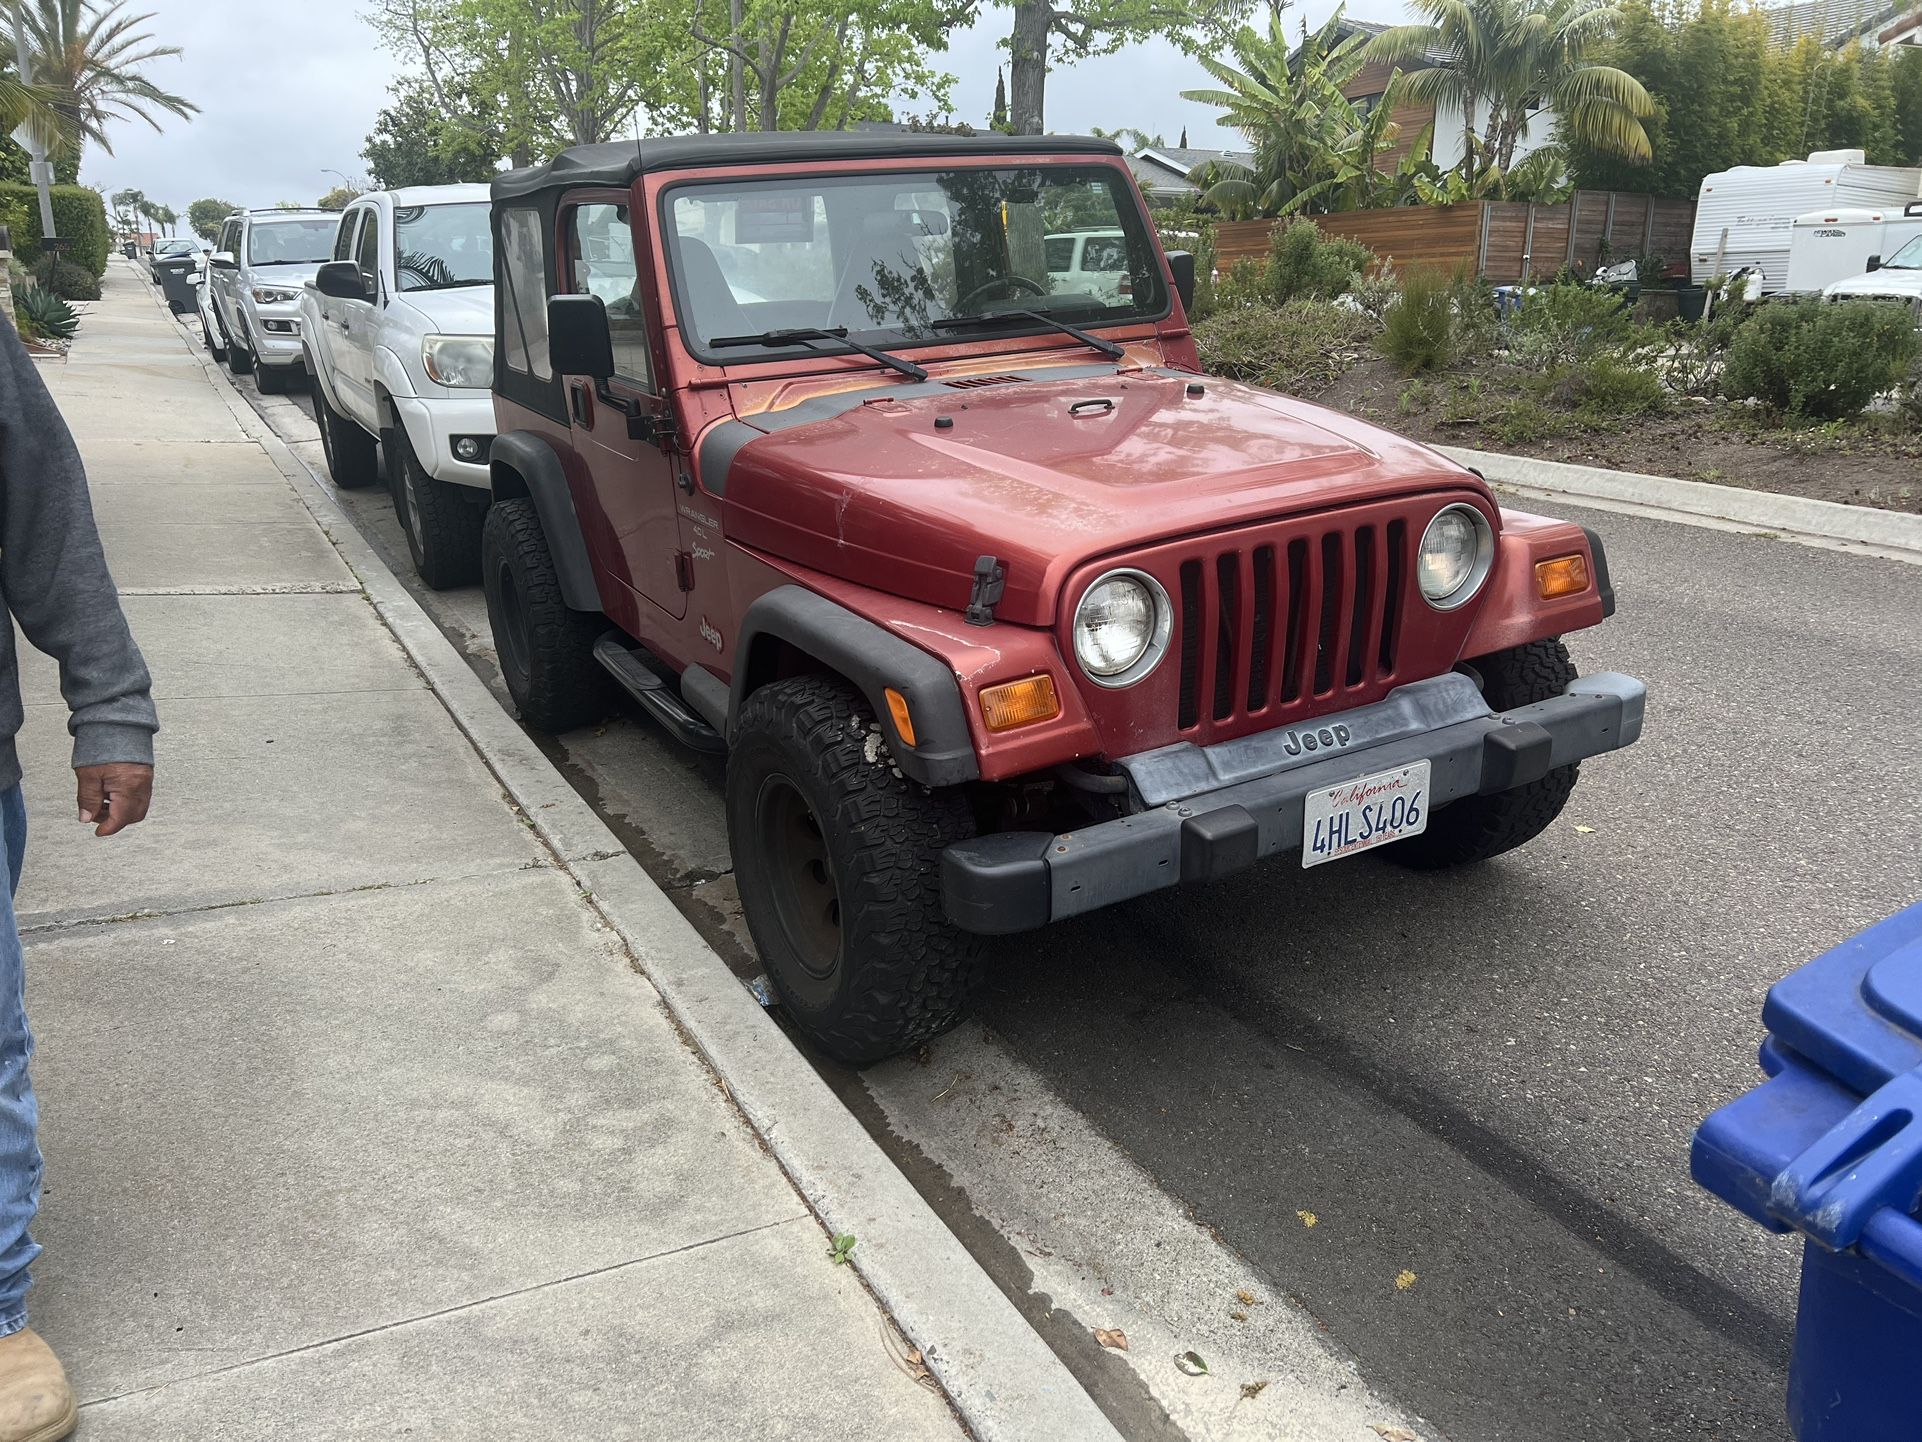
(1288, 621)
(1190, 644)
(1327, 602)
(1262, 639)
(1227, 631)
(1391, 593)
(1364, 604)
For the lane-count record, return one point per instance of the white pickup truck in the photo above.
(398, 330)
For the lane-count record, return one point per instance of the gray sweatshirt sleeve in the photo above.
(53, 575)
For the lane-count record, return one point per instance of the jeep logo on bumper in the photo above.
(1328, 738)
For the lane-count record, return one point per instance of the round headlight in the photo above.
(1457, 550)
(1121, 627)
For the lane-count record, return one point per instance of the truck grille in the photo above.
(1272, 625)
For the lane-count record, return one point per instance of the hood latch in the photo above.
(990, 580)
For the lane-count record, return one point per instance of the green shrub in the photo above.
(1245, 284)
(1821, 361)
(79, 216)
(1300, 347)
(1525, 420)
(1418, 328)
(1606, 388)
(45, 314)
(1303, 264)
(1476, 321)
(1559, 324)
(65, 279)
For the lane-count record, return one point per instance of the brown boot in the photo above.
(36, 1404)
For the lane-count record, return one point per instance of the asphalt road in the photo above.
(1489, 1078)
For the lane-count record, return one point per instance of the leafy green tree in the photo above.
(89, 55)
(203, 216)
(339, 198)
(1502, 60)
(417, 142)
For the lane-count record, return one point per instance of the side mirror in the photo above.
(1875, 262)
(342, 280)
(1181, 264)
(223, 260)
(578, 340)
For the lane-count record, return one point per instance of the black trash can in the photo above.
(177, 284)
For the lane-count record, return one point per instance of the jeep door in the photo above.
(635, 479)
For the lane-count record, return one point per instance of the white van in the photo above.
(1745, 216)
(1830, 245)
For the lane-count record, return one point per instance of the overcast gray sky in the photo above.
(287, 91)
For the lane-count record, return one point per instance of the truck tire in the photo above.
(443, 528)
(274, 380)
(838, 861)
(1478, 827)
(352, 458)
(545, 647)
(240, 360)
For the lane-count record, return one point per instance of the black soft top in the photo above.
(617, 163)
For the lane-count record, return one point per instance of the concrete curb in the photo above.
(1005, 1382)
(1896, 534)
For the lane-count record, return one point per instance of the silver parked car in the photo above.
(260, 264)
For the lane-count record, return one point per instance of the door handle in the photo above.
(578, 403)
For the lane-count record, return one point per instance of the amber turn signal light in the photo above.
(1563, 576)
(1019, 703)
(898, 709)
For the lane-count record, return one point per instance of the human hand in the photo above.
(116, 794)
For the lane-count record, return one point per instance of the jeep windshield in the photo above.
(900, 258)
(438, 247)
(291, 242)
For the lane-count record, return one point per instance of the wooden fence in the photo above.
(1505, 240)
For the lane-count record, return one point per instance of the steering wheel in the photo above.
(980, 292)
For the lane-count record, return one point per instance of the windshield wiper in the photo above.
(443, 285)
(805, 335)
(995, 317)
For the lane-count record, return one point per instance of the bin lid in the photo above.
(1831, 1145)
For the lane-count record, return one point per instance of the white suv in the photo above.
(400, 344)
(259, 264)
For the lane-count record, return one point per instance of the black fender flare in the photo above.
(532, 459)
(873, 659)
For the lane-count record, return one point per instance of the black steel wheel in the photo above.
(544, 646)
(443, 527)
(838, 859)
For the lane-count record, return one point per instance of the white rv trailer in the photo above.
(1830, 245)
(1745, 216)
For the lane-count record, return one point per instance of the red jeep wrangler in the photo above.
(823, 449)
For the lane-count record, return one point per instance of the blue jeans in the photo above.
(19, 1113)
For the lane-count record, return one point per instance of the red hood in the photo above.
(882, 495)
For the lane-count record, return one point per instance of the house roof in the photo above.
(1833, 22)
(619, 163)
(1163, 169)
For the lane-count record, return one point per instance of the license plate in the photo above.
(1365, 813)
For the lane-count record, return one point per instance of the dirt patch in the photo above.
(1863, 462)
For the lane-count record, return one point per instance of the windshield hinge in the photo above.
(990, 580)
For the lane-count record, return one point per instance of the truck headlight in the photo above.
(274, 295)
(460, 361)
(1457, 550)
(1121, 627)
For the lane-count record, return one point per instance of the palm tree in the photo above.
(88, 53)
(1506, 59)
(1311, 142)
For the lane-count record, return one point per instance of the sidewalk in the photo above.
(358, 1120)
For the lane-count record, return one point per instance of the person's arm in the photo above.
(53, 578)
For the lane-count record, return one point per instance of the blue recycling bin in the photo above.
(1830, 1146)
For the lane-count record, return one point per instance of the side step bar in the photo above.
(656, 696)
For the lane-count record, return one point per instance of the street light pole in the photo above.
(39, 168)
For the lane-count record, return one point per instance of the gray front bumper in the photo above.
(1213, 810)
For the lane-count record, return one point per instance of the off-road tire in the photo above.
(443, 528)
(1478, 827)
(902, 972)
(545, 647)
(353, 459)
(273, 380)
